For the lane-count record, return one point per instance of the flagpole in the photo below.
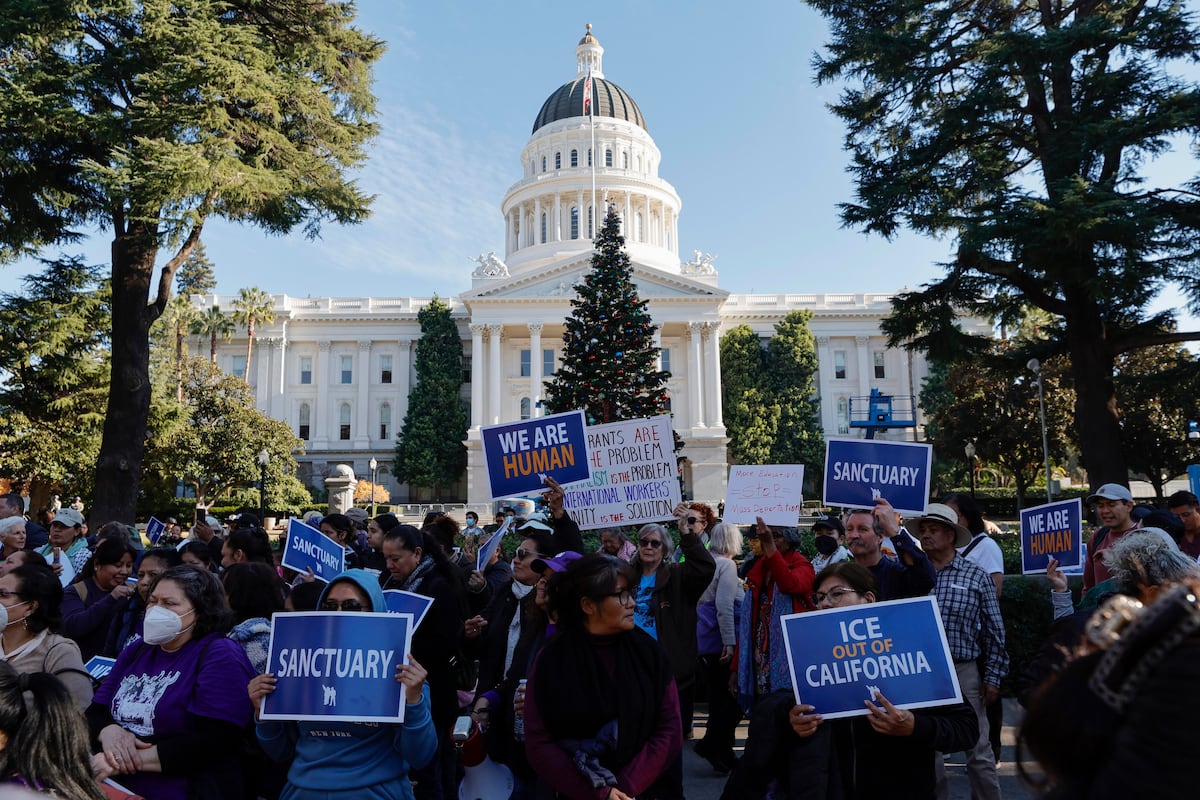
(592, 119)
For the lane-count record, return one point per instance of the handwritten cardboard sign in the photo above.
(770, 491)
(634, 477)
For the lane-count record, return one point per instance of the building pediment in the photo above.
(557, 283)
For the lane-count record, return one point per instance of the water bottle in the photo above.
(519, 716)
(57, 555)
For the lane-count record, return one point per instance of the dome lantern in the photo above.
(589, 56)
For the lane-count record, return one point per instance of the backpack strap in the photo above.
(967, 550)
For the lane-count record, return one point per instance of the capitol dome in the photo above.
(609, 100)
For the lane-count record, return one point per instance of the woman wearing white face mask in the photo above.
(30, 596)
(169, 696)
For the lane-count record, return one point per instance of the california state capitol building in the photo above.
(338, 370)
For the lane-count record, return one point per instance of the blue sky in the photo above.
(727, 94)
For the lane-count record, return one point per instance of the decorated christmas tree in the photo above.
(610, 363)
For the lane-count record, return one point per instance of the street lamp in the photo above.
(1035, 367)
(263, 459)
(969, 449)
(374, 465)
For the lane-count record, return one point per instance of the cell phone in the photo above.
(462, 729)
(200, 515)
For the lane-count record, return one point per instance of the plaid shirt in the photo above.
(971, 615)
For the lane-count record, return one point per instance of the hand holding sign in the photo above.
(412, 677)
(887, 719)
(803, 721)
(554, 497)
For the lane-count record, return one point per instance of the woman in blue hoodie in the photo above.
(333, 760)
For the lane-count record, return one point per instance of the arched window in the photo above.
(385, 421)
(344, 422)
(574, 158)
(608, 158)
(637, 227)
(525, 406)
(574, 222)
(543, 227)
(302, 430)
(591, 227)
(625, 160)
(589, 156)
(543, 163)
(558, 160)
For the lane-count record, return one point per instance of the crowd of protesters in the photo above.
(577, 671)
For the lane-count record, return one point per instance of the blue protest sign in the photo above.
(402, 602)
(519, 455)
(309, 548)
(489, 547)
(99, 667)
(841, 656)
(857, 471)
(1052, 529)
(1194, 478)
(337, 666)
(155, 529)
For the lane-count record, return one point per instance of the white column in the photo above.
(694, 378)
(494, 374)
(321, 413)
(262, 381)
(535, 368)
(657, 340)
(403, 384)
(508, 248)
(362, 370)
(278, 375)
(558, 218)
(627, 222)
(583, 231)
(520, 213)
(477, 374)
(712, 373)
(864, 365)
(825, 387)
(537, 220)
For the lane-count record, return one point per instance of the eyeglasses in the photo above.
(834, 595)
(523, 554)
(345, 605)
(624, 597)
(653, 544)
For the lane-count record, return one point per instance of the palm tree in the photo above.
(182, 317)
(213, 323)
(253, 306)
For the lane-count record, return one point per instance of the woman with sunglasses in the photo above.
(604, 721)
(169, 697)
(504, 638)
(778, 583)
(887, 753)
(667, 593)
(30, 598)
(332, 760)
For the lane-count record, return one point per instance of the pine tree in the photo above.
(610, 364)
(430, 450)
(195, 275)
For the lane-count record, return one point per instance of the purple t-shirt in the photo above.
(151, 692)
